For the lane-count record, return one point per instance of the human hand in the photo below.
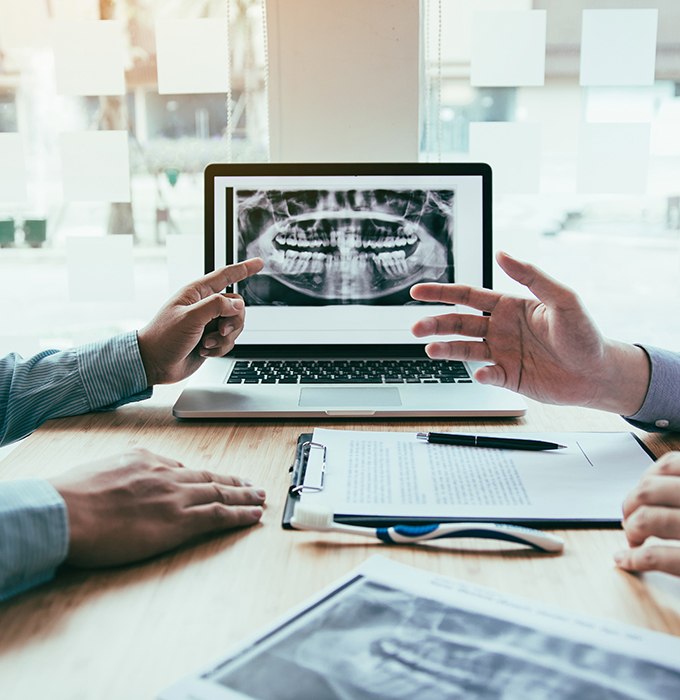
(546, 348)
(198, 322)
(132, 506)
(652, 509)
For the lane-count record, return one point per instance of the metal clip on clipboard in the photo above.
(299, 487)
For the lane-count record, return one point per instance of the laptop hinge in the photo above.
(320, 351)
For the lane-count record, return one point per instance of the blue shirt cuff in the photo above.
(112, 372)
(661, 407)
(34, 534)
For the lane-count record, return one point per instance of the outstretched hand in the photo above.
(199, 322)
(547, 348)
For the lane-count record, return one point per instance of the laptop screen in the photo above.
(344, 243)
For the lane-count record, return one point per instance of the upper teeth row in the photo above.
(343, 240)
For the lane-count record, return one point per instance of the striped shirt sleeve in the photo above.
(34, 534)
(661, 407)
(54, 384)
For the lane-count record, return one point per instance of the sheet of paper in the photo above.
(422, 635)
(613, 158)
(513, 149)
(75, 9)
(393, 474)
(95, 166)
(100, 268)
(508, 48)
(618, 47)
(185, 259)
(89, 57)
(13, 185)
(452, 21)
(23, 25)
(192, 55)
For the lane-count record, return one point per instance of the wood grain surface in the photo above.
(129, 632)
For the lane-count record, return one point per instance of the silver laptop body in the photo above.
(328, 320)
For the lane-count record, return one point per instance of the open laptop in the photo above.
(328, 320)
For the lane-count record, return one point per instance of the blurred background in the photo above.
(77, 264)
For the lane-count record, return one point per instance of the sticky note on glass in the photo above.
(618, 47)
(89, 57)
(75, 9)
(12, 169)
(512, 149)
(185, 259)
(23, 24)
(100, 268)
(508, 48)
(192, 55)
(613, 158)
(95, 166)
(452, 20)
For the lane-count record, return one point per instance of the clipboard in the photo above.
(297, 478)
(298, 470)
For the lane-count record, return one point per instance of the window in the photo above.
(167, 139)
(598, 208)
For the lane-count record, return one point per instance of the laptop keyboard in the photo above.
(349, 371)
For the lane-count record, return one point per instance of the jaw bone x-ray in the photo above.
(344, 246)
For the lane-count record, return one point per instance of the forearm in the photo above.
(34, 535)
(55, 384)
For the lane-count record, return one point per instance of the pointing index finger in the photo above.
(219, 279)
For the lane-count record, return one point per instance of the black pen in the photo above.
(487, 441)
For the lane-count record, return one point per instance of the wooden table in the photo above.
(131, 631)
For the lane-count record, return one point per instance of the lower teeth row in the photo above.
(291, 262)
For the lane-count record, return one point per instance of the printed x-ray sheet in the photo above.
(391, 631)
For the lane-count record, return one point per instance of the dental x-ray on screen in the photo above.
(351, 246)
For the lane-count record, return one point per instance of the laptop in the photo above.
(327, 331)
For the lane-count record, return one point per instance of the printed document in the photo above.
(393, 474)
(392, 631)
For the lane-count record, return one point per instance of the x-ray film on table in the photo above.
(353, 246)
(390, 631)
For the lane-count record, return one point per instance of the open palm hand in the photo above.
(547, 348)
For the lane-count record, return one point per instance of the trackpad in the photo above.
(350, 397)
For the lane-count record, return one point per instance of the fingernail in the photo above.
(255, 512)
(619, 557)
(226, 330)
(204, 353)
(260, 493)
(237, 304)
(209, 343)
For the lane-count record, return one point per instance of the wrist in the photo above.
(153, 375)
(625, 375)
